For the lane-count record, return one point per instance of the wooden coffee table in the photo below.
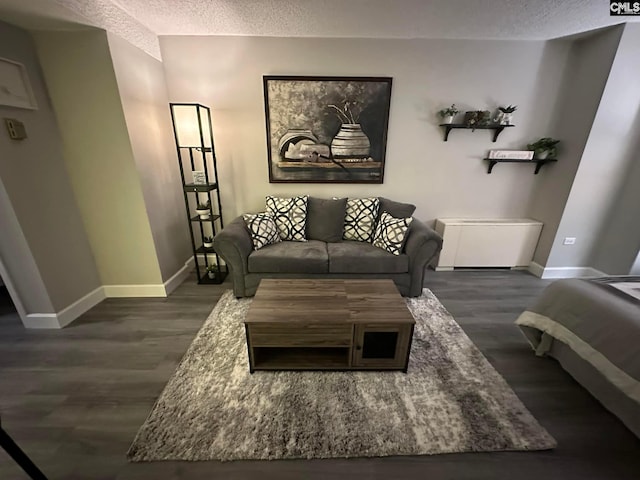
(300, 324)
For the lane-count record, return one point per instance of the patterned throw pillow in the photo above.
(290, 215)
(360, 219)
(391, 232)
(263, 229)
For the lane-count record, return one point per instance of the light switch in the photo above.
(16, 129)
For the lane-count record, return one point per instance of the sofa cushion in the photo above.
(360, 219)
(263, 229)
(290, 215)
(291, 257)
(396, 209)
(359, 257)
(391, 233)
(325, 219)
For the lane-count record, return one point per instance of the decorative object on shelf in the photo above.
(212, 271)
(511, 154)
(204, 210)
(505, 115)
(15, 88)
(199, 178)
(326, 129)
(544, 148)
(194, 145)
(448, 114)
(477, 118)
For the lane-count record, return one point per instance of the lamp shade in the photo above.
(185, 124)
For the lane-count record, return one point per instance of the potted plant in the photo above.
(212, 270)
(203, 209)
(544, 148)
(505, 117)
(208, 241)
(447, 114)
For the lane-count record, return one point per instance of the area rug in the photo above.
(451, 400)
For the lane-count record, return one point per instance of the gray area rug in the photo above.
(451, 400)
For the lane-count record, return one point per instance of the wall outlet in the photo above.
(16, 129)
(569, 241)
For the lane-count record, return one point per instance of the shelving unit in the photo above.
(497, 129)
(194, 147)
(538, 163)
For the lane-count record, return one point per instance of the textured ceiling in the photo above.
(140, 21)
(476, 19)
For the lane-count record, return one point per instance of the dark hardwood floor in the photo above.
(73, 399)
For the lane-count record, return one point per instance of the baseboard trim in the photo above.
(68, 314)
(564, 272)
(179, 277)
(41, 320)
(77, 308)
(119, 291)
(536, 269)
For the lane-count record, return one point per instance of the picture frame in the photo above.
(15, 88)
(323, 129)
(199, 177)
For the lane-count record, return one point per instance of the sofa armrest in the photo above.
(422, 245)
(233, 243)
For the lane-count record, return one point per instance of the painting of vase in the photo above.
(326, 129)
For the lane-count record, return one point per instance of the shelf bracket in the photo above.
(496, 132)
(539, 165)
(447, 129)
(491, 165)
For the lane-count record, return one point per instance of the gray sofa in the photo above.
(328, 259)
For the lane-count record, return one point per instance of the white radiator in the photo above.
(491, 242)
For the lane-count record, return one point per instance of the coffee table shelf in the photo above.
(304, 358)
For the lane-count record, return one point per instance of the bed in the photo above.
(592, 327)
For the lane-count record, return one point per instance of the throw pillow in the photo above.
(360, 219)
(325, 219)
(290, 215)
(263, 229)
(396, 209)
(391, 233)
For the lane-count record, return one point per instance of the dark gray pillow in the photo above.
(395, 209)
(325, 219)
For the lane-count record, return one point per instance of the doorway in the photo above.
(8, 311)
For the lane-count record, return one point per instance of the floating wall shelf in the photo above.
(497, 129)
(539, 163)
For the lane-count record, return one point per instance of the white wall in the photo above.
(46, 253)
(587, 71)
(99, 156)
(145, 104)
(609, 154)
(617, 244)
(442, 179)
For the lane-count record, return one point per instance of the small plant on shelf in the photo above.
(544, 148)
(508, 109)
(447, 114)
(505, 115)
(212, 270)
(204, 210)
(208, 241)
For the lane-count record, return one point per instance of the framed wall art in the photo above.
(15, 89)
(326, 129)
